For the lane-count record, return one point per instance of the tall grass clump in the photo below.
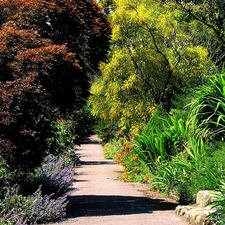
(208, 107)
(163, 137)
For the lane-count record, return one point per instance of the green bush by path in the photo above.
(208, 107)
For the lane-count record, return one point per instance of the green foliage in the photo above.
(152, 59)
(173, 147)
(164, 136)
(71, 131)
(209, 107)
(106, 130)
(217, 217)
(107, 5)
(211, 16)
(63, 140)
(157, 147)
(111, 149)
(84, 123)
(187, 173)
(167, 177)
(135, 170)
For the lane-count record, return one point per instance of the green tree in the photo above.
(211, 14)
(152, 58)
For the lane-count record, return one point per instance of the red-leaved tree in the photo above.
(48, 52)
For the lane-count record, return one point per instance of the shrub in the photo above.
(106, 130)
(85, 123)
(63, 139)
(135, 170)
(111, 149)
(45, 71)
(199, 168)
(4, 177)
(165, 135)
(19, 210)
(209, 107)
(55, 176)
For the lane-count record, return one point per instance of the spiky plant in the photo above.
(208, 107)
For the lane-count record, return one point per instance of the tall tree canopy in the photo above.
(48, 51)
(153, 56)
(211, 14)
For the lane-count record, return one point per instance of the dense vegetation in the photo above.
(160, 98)
(153, 73)
(49, 52)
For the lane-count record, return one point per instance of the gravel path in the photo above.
(100, 199)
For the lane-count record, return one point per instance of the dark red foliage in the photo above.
(47, 51)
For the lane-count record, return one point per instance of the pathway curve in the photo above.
(101, 199)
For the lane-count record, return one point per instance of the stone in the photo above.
(205, 197)
(197, 214)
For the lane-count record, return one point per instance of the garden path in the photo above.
(101, 199)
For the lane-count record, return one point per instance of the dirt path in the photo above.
(100, 199)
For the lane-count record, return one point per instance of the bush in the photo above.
(199, 168)
(85, 123)
(106, 130)
(4, 177)
(165, 136)
(111, 149)
(209, 107)
(19, 210)
(63, 139)
(45, 71)
(55, 175)
(135, 170)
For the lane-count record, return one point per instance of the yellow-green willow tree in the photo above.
(152, 58)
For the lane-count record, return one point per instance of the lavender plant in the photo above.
(36, 208)
(55, 176)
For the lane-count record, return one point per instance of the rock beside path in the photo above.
(101, 199)
(197, 214)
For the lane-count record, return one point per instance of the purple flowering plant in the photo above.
(36, 208)
(55, 175)
(53, 180)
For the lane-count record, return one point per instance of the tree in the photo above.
(210, 13)
(47, 51)
(152, 58)
(107, 5)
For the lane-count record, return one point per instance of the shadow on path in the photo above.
(94, 205)
(89, 141)
(94, 163)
